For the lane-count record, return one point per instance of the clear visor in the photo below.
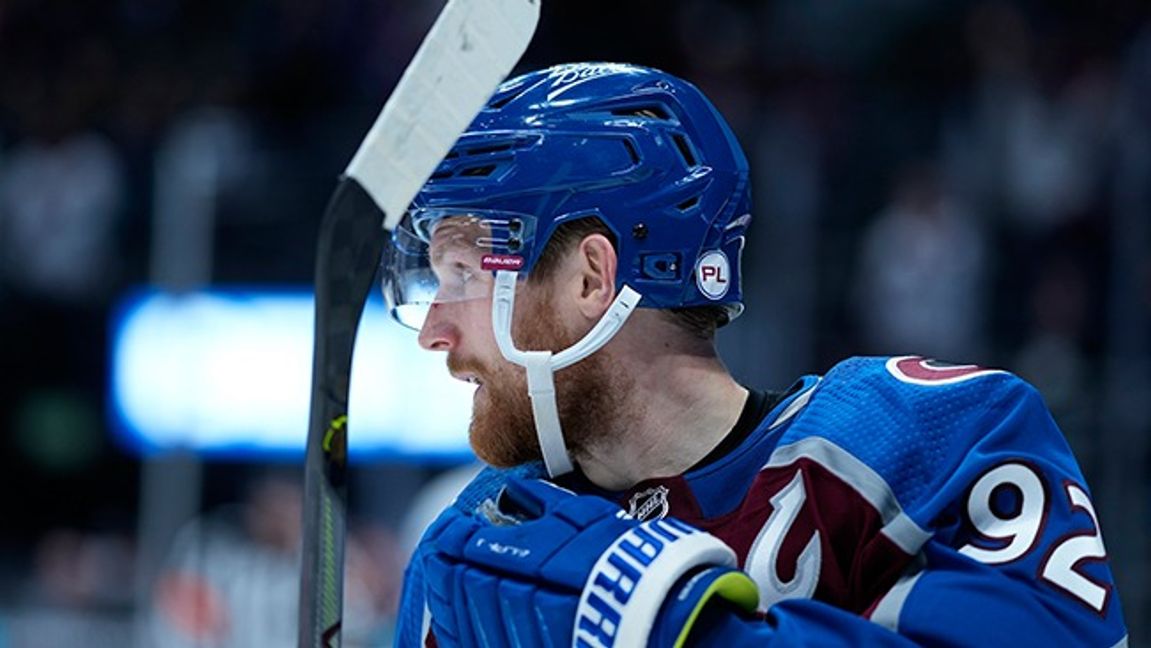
(443, 256)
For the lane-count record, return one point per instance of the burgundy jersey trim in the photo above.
(916, 370)
(898, 527)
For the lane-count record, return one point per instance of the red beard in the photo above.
(503, 432)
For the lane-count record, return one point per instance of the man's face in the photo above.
(502, 431)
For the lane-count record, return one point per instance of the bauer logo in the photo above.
(501, 262)
(607, 593)
(713, 274)
(568, 74)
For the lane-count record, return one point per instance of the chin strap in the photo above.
(542, 365)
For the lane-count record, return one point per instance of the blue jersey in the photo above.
(894, 501)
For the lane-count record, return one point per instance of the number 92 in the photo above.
(1005, 536)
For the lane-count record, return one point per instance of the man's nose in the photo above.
(438, 332)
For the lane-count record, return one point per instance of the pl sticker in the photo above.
(713, 274)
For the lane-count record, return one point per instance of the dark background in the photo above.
(970, 181)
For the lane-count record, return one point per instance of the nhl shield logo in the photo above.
(649, 504)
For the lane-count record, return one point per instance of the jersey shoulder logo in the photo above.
(764, 560)
(917, 370)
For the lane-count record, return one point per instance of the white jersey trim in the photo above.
(425, 624)
(794, 406)
(897, 526)
(887, 612)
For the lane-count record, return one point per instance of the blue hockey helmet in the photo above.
(641, 150)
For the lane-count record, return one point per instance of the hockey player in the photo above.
(572, 256)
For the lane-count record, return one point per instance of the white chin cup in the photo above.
(542, 365)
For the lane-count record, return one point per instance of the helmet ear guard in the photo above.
(640, 150)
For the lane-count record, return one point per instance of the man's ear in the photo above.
(597, 265)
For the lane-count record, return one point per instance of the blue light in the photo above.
(228, 373)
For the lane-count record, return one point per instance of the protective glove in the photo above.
(548, 568)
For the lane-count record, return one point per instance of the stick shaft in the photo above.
(348, 252)
(469, 50)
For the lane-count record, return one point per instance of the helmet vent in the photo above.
(478, 171)
(632, 153)
(684, 149)
(492, 148)
(688, 204)
(647, 112)
(499, 101)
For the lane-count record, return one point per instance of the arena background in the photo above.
(970, 181)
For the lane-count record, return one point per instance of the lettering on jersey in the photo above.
(916, 370)
(713, 274)
(618, 571)
(1004, 536)
(651, 503)
(764, 558)
(1063, 566)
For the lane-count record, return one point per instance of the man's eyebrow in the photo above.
(454, 236)
(453, 248)
(441, 241)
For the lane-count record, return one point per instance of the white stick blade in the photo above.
(473, 45)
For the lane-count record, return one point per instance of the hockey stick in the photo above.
(471, 47)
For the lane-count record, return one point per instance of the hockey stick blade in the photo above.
(471, 47)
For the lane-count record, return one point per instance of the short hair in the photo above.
(698, 321)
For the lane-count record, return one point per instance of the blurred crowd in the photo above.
(964, 180)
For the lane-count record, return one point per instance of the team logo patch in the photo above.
(916, 370)
(713, 274)
(501, 262)
(649, 504)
